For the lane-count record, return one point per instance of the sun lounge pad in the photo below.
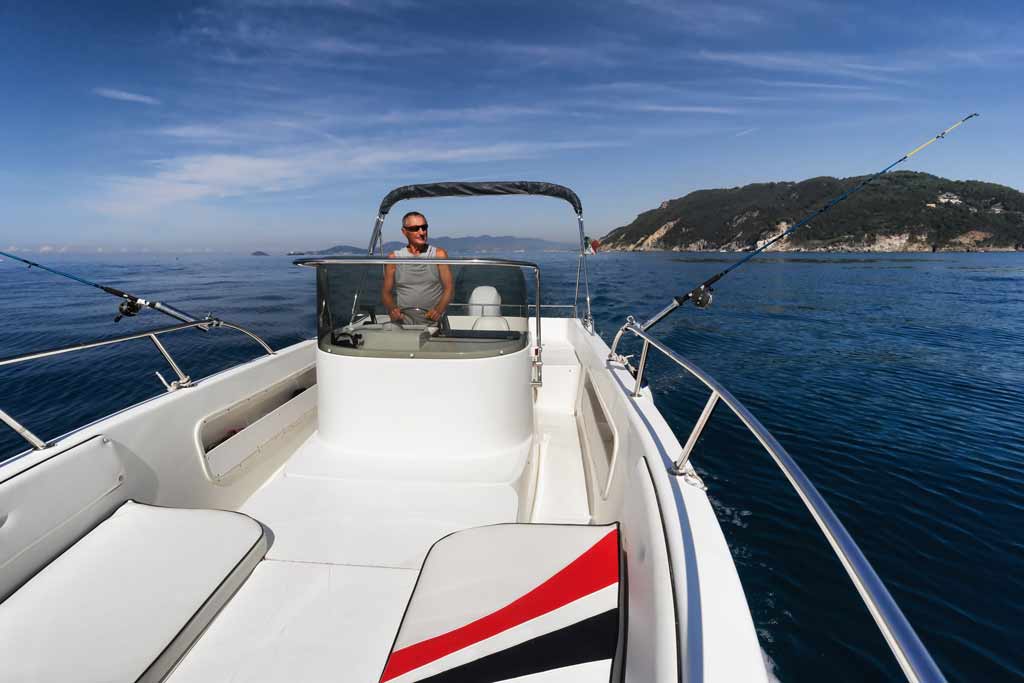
(513, 601)
(129, 599)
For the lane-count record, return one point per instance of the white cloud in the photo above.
(370, 6)
(707, 17)
(246, 38)
(989, 56)
(835, 65)
(679, 109)
(208, 133)
(307, 126)
(125, 96)
(482, 114)
(748, 131)
(811, 85)
(198, 177)
(534, 54)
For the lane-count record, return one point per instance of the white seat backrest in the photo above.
(493, 323)
(46, 508)
(485, 300)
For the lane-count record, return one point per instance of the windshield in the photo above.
(422, 310)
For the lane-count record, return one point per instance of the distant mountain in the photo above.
(457, 245)
(331, 251)
(903, 211)
(260, 253)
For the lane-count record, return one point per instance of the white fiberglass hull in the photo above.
(348, 533)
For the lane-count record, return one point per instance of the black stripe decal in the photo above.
(589, 640)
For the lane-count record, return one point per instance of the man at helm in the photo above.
(418, 292)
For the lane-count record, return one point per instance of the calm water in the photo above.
(894, 380)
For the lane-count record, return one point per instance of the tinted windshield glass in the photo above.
(363, 310)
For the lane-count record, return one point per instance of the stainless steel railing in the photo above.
(917, 664)
(182, 381)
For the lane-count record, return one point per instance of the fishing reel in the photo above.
(127, 309)
(702, 297)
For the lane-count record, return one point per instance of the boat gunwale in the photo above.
(913, 657)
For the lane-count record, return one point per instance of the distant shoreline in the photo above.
(830, 250)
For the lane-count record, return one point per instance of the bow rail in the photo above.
(182, 381)
(914, 659)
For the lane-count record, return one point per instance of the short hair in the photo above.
(413, 213)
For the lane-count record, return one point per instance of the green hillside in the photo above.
(903, 211)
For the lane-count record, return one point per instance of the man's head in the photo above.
(414, 227)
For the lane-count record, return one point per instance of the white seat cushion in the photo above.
(128, 600)
(514, 601)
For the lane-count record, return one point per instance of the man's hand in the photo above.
(395, 314)
(434, 314)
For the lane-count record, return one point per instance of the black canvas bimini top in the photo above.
(495, 187)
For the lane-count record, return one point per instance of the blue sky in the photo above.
(279, 124)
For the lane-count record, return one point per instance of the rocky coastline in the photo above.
(903, 212)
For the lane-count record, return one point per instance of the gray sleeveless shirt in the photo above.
(417, 284)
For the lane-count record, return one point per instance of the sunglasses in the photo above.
(415, 228)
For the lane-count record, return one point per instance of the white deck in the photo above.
(370, 523)
(299, 621)
(326, 603)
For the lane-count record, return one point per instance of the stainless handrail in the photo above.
(537, 361)
(915, 661)
(182, 381)
(575, 309)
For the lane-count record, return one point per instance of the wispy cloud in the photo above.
(199, 177)
(844, 66)
(369, 6)
(202, 132)
(481, 114)
(603, 54)
(810, 85)
(989, 56)
(125, 96)
(706, 17)
(747, 131)
(678, 108)
(247, 38)
(308, 125)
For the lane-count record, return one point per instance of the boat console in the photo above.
(464, 382)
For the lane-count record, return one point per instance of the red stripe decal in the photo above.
(595, 569)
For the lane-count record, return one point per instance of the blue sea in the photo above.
(895, 380)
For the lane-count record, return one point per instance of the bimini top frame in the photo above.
(491, 188)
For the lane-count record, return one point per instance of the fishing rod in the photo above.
(130, 305)
(701, 294)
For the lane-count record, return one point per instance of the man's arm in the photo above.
(387, 296)
(449, 288)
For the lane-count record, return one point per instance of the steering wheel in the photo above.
(442, 324)
(413, 309)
